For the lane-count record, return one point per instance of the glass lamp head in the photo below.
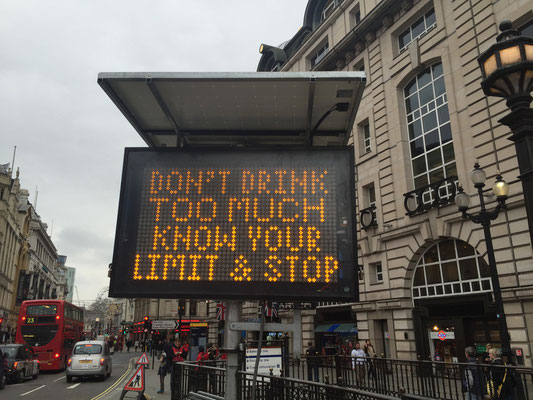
(478, 176)
(500, 188)
(507, 67)
(462, 200)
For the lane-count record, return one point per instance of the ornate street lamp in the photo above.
(501, 190)
(507, 69)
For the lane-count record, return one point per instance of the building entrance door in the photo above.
(442, 343)
(445, 326)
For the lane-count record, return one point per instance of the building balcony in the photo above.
(368, 217)
(435, 195)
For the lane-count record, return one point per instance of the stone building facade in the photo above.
(423, 119)
(14, 248)
(29, 267)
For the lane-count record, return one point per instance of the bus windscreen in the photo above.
(38, 335)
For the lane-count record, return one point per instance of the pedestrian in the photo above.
(164, 369)
(128, 345)
(201, 374)
(312, 362)
(177, 350)
(500, 382)
(185, 349)
(359, 363)
(485, 357)
(473, 382)
(212, 356)
(136, 345)
(371, 354)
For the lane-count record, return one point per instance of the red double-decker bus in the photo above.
(51, 327)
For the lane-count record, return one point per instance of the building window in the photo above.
(192, 307)
(357, 17)
(377, 272)
(450, 268)
(370, 194)
(366, 138)
(430, 135)
(319, 54)
(527, 29)
(328, 10)
(416, 30)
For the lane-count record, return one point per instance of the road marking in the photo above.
(74, 386)
(31, 391)
(117, 382)
(58, 379)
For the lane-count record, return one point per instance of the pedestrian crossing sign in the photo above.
(143, 360)
(136, 382)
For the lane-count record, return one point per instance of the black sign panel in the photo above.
(248, 224)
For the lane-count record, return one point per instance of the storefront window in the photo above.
(450, 267)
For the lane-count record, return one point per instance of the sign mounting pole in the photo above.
(231, 347)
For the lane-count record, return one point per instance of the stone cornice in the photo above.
(364, 32)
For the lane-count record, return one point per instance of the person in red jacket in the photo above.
(177, 348)
(201, 373)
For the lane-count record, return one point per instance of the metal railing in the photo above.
(434, 195)
(430, 379)
(189, 377)
(281, 388)
(345, 377)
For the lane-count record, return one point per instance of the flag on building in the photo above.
(221, 311)
(271, 310)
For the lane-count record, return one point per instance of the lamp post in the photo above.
(507, 69)
(484, 217)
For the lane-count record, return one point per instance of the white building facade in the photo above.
(422, 123)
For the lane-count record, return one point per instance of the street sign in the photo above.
(143, 360)
(136, 382)
(254, 224)
(270, 359)
(159, 324)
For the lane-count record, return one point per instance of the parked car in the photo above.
(3, 371)
(89, 358)
(22, 362)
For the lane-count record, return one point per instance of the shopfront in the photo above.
(335, 329)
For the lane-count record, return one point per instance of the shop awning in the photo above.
(336, 328)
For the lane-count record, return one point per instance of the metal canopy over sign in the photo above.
(259, 108)
(239, 223)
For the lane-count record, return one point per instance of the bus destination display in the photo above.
(236, 224)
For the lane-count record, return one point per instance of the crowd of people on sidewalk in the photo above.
(485, 380)
(492, 380)
(177, 350)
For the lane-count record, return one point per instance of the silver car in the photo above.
(89, 358)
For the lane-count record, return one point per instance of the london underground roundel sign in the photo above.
(441, 335)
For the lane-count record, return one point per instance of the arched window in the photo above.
(430, 135)
(450, 268)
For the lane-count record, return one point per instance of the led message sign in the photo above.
(253, 224)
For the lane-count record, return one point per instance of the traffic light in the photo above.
(1, 320)
(147, 323)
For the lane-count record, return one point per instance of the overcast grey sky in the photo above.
(70, 138)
